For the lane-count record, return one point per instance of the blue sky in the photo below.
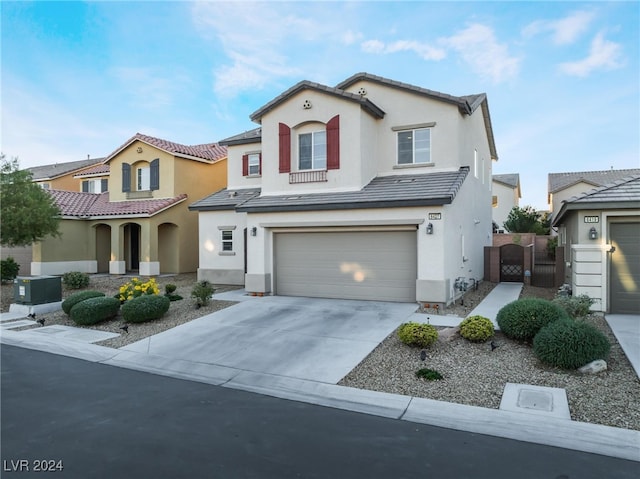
(80, 78)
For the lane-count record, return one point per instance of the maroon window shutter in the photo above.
(245, 165)
(285, 148)
(260, 163)
(333, 143)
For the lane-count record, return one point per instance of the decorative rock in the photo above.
(594, 367)
(447, 334)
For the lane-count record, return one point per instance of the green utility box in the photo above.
(37, 289)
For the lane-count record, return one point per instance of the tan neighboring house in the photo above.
(372, 189)
(506, 194)
(142, 223)
(62, 176)
(601, 231)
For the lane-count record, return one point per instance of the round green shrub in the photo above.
(570, 344)
(523, 318)
(75, 298)
(145, 308)
(417, 334)
(75, 280)
(95, 310)
(476, 328)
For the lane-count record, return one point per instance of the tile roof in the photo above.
(93, 205)
(560, 181)
(224, 199)
(251, 136)
(207, 151)
(48, 172)
(101, 169)
(365, 104)
(509, 179)
(620, 194)
(395, 191)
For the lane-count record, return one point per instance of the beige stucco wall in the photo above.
(559, 196)
(507, 199)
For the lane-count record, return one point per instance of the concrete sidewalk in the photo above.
(300, 382)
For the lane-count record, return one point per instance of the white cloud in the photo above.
(349, 37)
(603, 55)
(477, 45)
(564, 31)
(423, 50)
(148, 88)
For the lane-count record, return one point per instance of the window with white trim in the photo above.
(227, 240)
(144, 177)
(254, 164)
(414, 146)
(312, 151)
(94, 186)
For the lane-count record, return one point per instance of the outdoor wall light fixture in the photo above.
(593, 234)
(254, 231)
(430, 229)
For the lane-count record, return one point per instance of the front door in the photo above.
(512, 263)
(624, 285)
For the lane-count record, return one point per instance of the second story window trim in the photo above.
(252, 164)
(413, 146)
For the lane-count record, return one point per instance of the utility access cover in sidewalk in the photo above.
(551, 402)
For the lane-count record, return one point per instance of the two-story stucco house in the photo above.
(142, 223)
(372, 189)
(506, 195)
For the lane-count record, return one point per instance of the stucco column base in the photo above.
(257, 283)
(117, 267)
(433, 291)
(149, 268)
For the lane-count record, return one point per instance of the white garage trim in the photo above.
(371, 264)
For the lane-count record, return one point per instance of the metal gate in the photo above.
(512, 263)
(544, 270)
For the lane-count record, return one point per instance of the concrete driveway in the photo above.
(305, 338)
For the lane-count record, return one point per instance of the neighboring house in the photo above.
(142, 224)
(94, 179)
(62, 176)
(506, 195)
(562, 186)
(373, 189)
(601, 231)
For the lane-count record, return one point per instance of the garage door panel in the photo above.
(625, 268)
(353, 265)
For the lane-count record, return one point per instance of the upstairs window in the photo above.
(94, 186)
(414, 146)
(144, 179)
(312, 151)
(254, 164)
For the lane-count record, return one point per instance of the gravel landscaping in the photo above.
(473, 373)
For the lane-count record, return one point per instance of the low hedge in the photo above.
(75, 298)
(417, 334)
(523, 318)
(476, 328)
(145, 308)
(95, 310)
(570, 344)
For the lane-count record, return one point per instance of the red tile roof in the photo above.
(207, 151)
(101, 169)
(74, 203)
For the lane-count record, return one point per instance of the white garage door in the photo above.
(371, 265)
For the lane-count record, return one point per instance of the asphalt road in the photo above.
(96, 421)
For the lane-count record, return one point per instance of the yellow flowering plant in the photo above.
(136, 287)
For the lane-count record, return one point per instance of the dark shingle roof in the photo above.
(224, 199)
(365, 104)
(90, 205)
(621, 194)
(560, 181)
(101, 169)
(509, 179)
(382, 192)
(49, 172)
(207, 151)
(251, 136)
